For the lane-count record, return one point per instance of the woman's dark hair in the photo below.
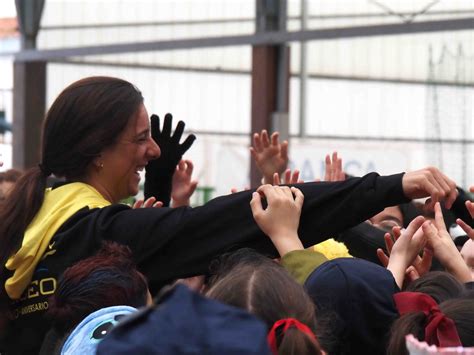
(87, 117)
(251, 281)
(11, 175)
(440, 285)
(109, 278)
(460, 310)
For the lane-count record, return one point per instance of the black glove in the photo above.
(159, 172)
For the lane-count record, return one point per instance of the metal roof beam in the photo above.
(264, 38)
(214, 21)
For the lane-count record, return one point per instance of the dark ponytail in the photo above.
(296, 342)
(411, 323)
(17, 211)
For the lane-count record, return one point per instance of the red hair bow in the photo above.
(440, 330)
(286, 323)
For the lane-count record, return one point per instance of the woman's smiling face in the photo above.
(116, 172)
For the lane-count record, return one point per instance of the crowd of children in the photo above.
(345, 265)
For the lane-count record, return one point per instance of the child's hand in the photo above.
(281, 218)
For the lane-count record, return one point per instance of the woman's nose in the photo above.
(154, 150)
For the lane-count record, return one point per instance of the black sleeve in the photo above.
(171, 243)
(459, 208)
(363, 240)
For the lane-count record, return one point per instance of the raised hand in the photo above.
(269, 155)
(430, 182)
(406, 248)
(444, 248)
(183, 185)
(150, 202)
(280, 220)
(159, 172)
(420, 265)
(171, 149)
(334, 170)
(466, 227)
(288, 177)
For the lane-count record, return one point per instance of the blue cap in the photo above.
(185, 322)
(359, 295)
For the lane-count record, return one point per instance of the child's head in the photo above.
(446, 325)
(106, 279)
(253, 282)
(440, 285)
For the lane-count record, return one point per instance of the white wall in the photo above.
(6, 97)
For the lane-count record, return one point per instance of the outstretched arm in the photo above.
(181, 242)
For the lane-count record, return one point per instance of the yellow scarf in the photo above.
(332, 249)
(58, 206)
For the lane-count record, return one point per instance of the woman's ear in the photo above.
(98, 163)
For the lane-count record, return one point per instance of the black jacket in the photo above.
(173, 243)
